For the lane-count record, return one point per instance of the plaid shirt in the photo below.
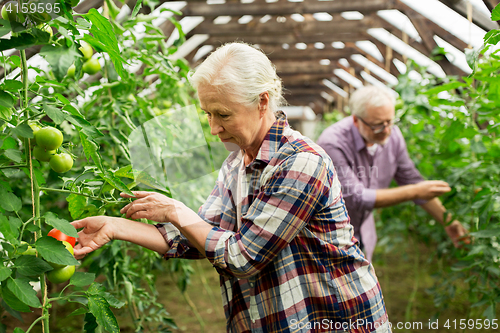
(293, 265)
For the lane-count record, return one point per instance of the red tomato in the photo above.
(62, 237)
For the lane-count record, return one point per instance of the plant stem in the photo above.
(24, 68)
(33, 323)
(48, 189)
(13, 166)
(35, 193)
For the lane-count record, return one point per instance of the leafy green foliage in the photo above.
(452, 128)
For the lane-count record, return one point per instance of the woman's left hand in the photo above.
(152, 206)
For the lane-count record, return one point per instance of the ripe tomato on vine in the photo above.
(57, 234)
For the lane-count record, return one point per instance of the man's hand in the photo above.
(457, 234)
(430, 189)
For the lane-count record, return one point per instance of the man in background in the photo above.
(368, 151)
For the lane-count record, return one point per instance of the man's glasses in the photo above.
(379, 128)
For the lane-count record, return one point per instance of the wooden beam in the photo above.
(426, 32)
(303, 79)
(308, 54)
(284, 7)
(290, 39)
(480, 19)
(256, 28)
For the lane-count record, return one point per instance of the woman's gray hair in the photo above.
(241, 71)
(374, 96)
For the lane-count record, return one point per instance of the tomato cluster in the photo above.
(90, 66)
(61, 273)
(47, 140)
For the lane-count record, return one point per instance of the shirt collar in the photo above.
(272, 141)
(359, 142)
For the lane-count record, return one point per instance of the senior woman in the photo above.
(275, 226)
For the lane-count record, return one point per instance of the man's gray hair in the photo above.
(241, 71)
(374, 96)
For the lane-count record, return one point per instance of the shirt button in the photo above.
(252, 284)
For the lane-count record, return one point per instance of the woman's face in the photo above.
(232, 122)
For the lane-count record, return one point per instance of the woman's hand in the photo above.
(97, 231)
(152, 206)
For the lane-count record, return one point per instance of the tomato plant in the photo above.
(96, 127)
(59, 235)
(86, 50)
(42, 154)
(452, 128)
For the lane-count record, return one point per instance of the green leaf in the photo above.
(6, 99)
(23, 130)
(99, 307)
(125, 172)
(81, 279)
(5, 272)
(76, 204)
(10, 202)
(31, 266)
(19, 330)
(115, 182)
(138, 6)
(60, 58)
(90, 323)
(14, 302)
(24, 292)
(91, 151)
(61, 224)
(22, 41)
(487, 233)
(14, 155)
(54, 251)
(490, 312)
(87, 128)
(78, 312)
(445, 87)
(492, 37)
(55, 114)
(495, 14)
(104, 39)
(9, 143)
(10, 232)
(12, 85)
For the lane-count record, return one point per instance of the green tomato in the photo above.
(70, 250)
(91, 66)
(71, 71)
(61, 162)
(59, 275)
(43, 155)
(86, 50)
(49, 138)
(10, 12)
(30, 251)
(47, 28)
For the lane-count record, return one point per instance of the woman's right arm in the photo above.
(99, 230)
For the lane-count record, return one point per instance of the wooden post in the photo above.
(405, 40)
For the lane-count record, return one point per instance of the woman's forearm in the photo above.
(145, 235)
